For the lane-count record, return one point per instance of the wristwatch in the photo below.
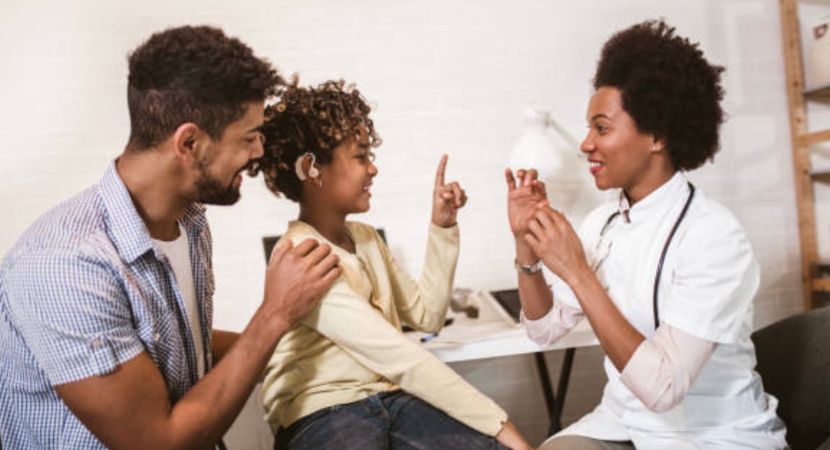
(528, 269)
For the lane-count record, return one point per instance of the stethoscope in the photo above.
(662, 254)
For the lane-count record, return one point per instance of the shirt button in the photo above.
(96, 343)
(156, 336)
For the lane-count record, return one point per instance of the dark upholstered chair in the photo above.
(794, 363)
(268, 243)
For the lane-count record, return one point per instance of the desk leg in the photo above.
(562, 389)
(553, 403)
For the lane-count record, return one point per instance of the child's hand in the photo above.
(447, 199)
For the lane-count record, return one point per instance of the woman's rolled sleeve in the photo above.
(551, 327)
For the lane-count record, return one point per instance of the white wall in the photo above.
(445, 77)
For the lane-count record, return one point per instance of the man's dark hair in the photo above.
(315, 120)
(192, 74)
(667, 87)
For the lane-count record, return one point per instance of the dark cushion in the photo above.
(268, 243)
(794, 363)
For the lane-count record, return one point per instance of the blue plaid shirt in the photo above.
(83, 291)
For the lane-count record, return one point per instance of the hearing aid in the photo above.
(312, 171)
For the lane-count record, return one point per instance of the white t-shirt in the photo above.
(178, 254)
(708, 283)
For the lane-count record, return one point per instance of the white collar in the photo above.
(656, 201)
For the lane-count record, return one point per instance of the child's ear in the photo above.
(305, 164)
(313, 172)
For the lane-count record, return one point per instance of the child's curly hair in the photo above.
(668, 88)
(310, 119)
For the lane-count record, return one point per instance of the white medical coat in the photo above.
(708, 283)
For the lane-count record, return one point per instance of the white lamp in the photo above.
(548, 147)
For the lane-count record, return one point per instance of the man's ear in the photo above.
(185, 140)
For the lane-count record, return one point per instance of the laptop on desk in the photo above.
(508, 299)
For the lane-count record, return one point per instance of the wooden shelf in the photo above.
(820, 269)
(821, 284)
(820, 276)
(815, 273)
(814, 138)
(818, 93)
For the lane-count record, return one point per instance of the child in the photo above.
(347, 377)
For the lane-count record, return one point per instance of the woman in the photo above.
(347, 377)
(665, 275)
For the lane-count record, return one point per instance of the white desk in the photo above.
(494, 333)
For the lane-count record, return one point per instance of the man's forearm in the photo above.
(212, 405)
(222, 342)
(108, 405)
(131, 408)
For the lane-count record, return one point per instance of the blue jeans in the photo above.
(387, 421)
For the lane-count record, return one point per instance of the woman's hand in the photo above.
(552, 238)
(447, 198)
(523, 196)
(510, 437)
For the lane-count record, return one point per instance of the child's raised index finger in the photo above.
(442, 167)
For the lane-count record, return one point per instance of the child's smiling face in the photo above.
(347, 179)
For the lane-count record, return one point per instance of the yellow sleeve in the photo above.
(361, 331)
(423, 305)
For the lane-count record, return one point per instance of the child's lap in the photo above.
(390, 420)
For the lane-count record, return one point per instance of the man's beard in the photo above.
(211, 191)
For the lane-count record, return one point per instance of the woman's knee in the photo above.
(582, 443)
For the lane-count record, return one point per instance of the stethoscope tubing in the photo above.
(665, 248)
